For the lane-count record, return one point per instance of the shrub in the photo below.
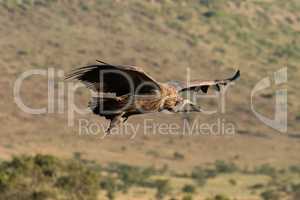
(187, 197)
(209, 13)
(79, 180)
(48, 164)
(206, 2)
(163, 188)
(219, 197)
(178, 156)
(295, 169)
(265, 169)
(46, 177)
(132, 175)
(296, 191)
(232, 181)
(77, 155)
(223, 167)
(109, 184)
(270, 195)
(257, 186)
(201, 175)
(189, 188)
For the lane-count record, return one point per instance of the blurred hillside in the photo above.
(165, 37)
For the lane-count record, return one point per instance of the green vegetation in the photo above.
(132, 175)
(265, 169)
(163, 188)
(201, 175)
(178, 156)
(189, 188)
(233, 182)
(270, 195)
(225, 167)
(12, 4)
(219, 197)
(187, 197)
(47, 177)
(109, 184)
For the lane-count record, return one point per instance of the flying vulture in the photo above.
(123, 91)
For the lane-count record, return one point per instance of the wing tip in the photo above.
(102, 62)
(236, 75)
(69, 76)
(77, 72)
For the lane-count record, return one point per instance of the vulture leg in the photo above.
(115, 121)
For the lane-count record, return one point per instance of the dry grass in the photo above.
(164, 38)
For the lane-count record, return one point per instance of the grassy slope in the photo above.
(164, 38)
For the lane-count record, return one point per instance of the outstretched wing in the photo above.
(107, 78)
(204, 85)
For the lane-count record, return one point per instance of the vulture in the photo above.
(122, 91)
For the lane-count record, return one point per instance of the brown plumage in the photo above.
(123, 91)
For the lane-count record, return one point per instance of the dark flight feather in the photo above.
(120, 80)
(204, 85)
